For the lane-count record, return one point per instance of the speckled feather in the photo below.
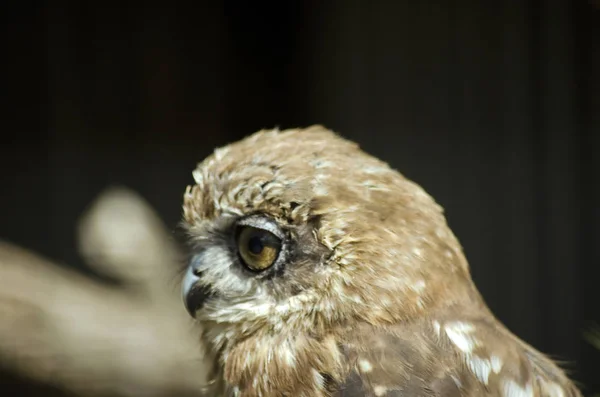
(374, 298)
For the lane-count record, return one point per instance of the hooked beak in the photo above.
(194, 294)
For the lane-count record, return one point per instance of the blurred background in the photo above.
(493, 107)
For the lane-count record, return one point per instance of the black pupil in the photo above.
(255, 245)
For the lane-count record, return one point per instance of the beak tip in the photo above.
(194, 295)
(187, 290)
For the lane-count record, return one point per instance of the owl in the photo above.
(318, 270)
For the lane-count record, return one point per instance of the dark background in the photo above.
(492, 106)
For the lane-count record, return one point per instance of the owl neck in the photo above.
(288, 363)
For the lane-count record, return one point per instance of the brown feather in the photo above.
(375, 296)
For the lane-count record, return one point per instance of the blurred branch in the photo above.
(91, 338)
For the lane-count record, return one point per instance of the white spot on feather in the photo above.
(356, 299)
(365, 365)
(375, 170)
(288, 356)
(198, 178)
(320, 163)
(379, 390)
(436, 327)
(459, 334)
(457, 381)
(482, 367)
(513, 389)
(320, 190)
(319, 380)
(221, 152)
(496, 364)
(418, 286)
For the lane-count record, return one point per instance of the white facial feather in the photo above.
(215, 264)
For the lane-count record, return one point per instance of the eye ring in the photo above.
(260, 222)
(259, 243)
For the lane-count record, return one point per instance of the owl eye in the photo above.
(258, 248)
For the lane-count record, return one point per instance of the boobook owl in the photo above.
(318, 270)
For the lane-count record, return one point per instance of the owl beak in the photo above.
(194, 294)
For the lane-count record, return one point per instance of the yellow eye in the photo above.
(258, 248)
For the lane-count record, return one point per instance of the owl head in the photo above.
(301, 230)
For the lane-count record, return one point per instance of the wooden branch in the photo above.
(92, 338)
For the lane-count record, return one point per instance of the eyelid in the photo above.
(263, 223)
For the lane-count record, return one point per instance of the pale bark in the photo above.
(132, 338)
